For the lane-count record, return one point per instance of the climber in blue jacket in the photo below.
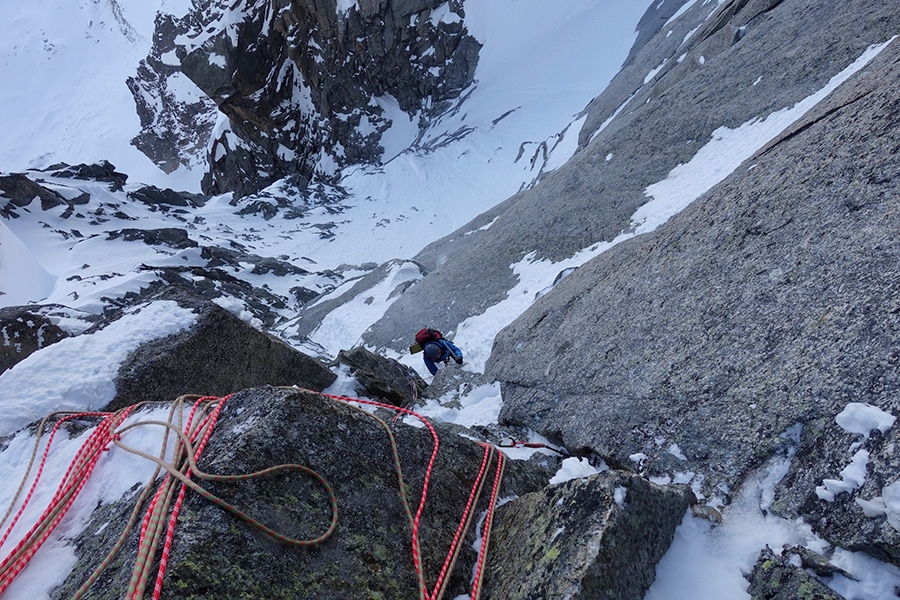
(441, 350)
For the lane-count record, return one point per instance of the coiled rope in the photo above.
(490, 453)
(190, 439)
(71, 485)
(180, 469)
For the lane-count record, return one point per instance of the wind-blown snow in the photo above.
(77, 373)
(864, 418)
(354, 317)
(22, 278)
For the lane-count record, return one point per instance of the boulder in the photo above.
(778, 577)
(369, 555)
(219, 355)
(103, 171)
(592, 538)
(162, 199)
(382, 378)
(22, 191)
(172, 237)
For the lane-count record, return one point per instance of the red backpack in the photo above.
(426, 334)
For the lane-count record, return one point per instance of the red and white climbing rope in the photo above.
(157, 527)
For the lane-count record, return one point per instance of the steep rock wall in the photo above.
(711, 79)
(769, 302)
(304, 87)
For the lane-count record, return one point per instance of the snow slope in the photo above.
(64, 97)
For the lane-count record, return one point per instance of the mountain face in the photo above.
(768, 303)
(707, 283)
(302, 88)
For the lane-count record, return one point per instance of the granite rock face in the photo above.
(769, 302)
(219, 355)
(598, 537)
(746, 323)
(711, 78)
(746, 307)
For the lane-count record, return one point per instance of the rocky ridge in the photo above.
(302, 87)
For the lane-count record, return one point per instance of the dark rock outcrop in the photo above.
(162, 199)
(299, 82)
(776, 578)
(103, 171)
(175, 127)
(382, 378)
(167, 236)
(22, 191)
(23, 331)
(216, 555)
(598, 537)
(219, 355)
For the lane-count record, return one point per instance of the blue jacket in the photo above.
(448, 351)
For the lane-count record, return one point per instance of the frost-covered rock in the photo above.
(23, 331)
(845, 480)
(598, 537)
(177, 119)
(303, 89)
(103, 171)
(218, 355)
(381, 378)
(784, 577)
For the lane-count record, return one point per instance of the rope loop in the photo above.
(189, 437)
